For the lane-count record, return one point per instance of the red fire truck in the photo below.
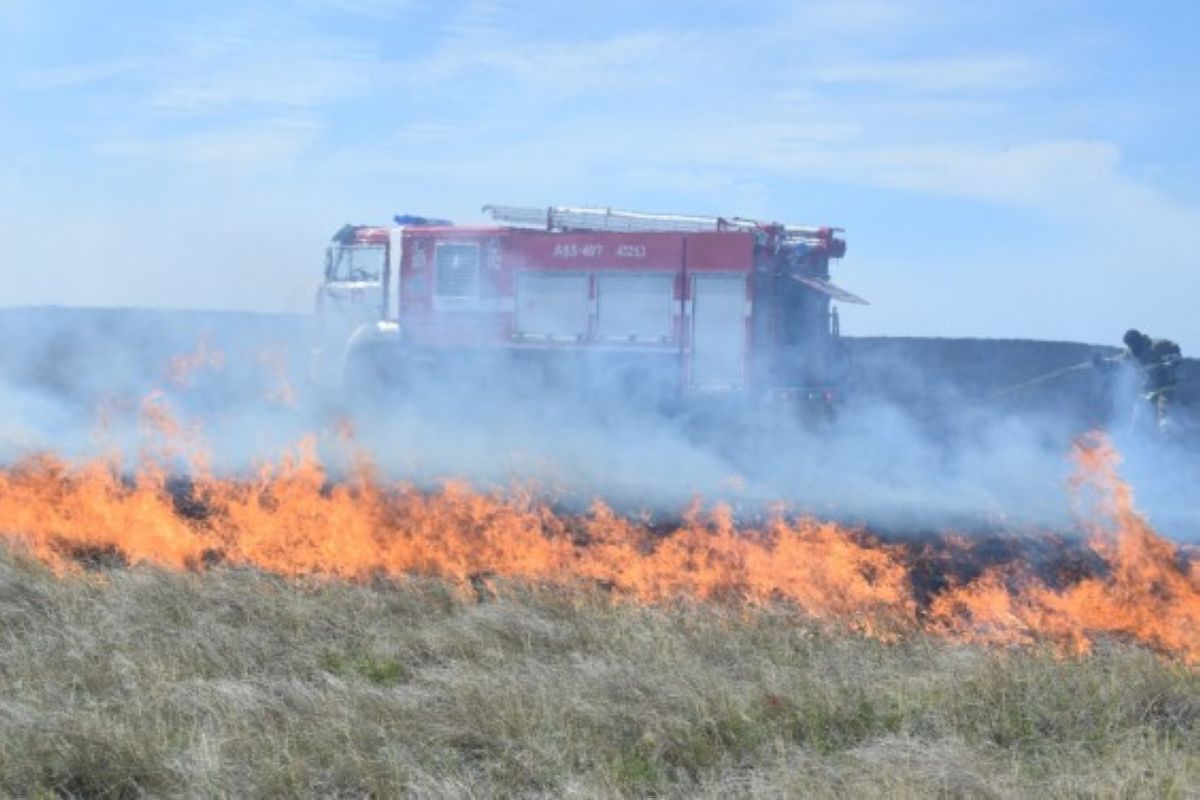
(658, 307)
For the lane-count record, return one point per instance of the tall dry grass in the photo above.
(132, 682)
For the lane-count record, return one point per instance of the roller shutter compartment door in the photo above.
(551, 306)
(718, 331)
(635, 308)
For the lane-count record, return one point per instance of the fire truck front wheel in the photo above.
(372, 373)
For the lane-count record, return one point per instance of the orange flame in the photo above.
(273, 360)
(291, 519)
(1149, 591)
(182, 368)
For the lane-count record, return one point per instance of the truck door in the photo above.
(352, 292)
(718, 331)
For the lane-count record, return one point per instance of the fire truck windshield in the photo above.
(354, 263)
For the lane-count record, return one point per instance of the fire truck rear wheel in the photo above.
(641, 388)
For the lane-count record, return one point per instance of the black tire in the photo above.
(643, 389)
(372, 375)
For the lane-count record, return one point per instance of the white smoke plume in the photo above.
(931, 435)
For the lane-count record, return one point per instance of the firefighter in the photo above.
(1157, 363)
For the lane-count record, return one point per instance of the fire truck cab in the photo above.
(351, 291)
(665, 305)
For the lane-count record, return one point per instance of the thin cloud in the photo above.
(375, 9)
(211, 73)
(989, 73)
(856, 18)
(254, 147)
(80, 75)
(626, 63)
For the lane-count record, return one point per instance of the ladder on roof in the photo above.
(563, 218)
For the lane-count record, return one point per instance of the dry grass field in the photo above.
(129, 682)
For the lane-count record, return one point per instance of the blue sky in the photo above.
(1003, 169)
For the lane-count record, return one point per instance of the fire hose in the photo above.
(1049, 376)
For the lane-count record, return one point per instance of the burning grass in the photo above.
(290, 519)
(128, 681)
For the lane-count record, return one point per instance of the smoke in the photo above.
(928, 439)
(78, 381)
